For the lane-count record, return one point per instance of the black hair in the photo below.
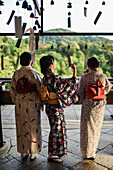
(24, 58)
(45, 62)
(93, 62)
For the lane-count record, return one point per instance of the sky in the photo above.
(55, 16)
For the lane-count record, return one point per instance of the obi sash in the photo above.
(95, 92)
(48, 97)
(23, 86)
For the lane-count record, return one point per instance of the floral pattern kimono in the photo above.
(92, 113)
(66, 91)
(27, 112)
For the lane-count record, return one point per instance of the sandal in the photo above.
(24, 156)
(32, 157)
(58, 160)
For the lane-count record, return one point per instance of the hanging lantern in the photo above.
(37, 23)
(68, 47)
(34, 28)
(86, 46)
(17, 3)
(29, 8)
(25, 4)
(52, 2)
(1, 3)
(69, 5)
(52, 47)
(86, 2)
(31, 15)
(103, 3)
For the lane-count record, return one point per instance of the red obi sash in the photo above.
(23, 86)
(95, 92)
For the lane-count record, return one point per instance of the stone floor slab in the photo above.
(71, 159)
(13, 165)
(50, 166)
(88, 165)
(104, 159)
(74, 147)
(31, 164)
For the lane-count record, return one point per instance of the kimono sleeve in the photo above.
(66, 91)
(81, 89)
(108, 85)
(13, 91)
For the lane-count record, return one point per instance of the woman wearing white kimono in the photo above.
(24, 90)
(93, 107)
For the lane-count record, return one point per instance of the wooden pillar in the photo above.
(1, 136)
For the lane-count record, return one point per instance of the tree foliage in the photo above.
(98, 47)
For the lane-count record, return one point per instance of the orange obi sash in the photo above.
(49, 97)
(95, 92)
(53, 98)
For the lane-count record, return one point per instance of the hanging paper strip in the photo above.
(18, 26)
(69, 60)
(69, 22)
(36, 41)
(31, 42)
(33, 57)
(98, 16)
(2, 62)
(85, 11)
(19, 40)
(85, 63)
(10, 18)
(17, 62)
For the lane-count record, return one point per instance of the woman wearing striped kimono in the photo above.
(92, 112)
(64, 94)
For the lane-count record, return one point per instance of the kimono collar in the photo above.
(50, 73)
(27, 67)
(94, 72)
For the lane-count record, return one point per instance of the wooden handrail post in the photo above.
(1, 136)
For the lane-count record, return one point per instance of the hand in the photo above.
(74, 70)
(73, 66)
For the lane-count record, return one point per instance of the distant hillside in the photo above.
(67, 39)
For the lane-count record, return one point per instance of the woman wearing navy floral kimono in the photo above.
(62, 94)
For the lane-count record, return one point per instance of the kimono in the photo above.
(27, 111)
(66, 92)
(92, 113)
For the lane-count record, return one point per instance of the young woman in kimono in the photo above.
(62, 93)
(92, 112)
(24, 90)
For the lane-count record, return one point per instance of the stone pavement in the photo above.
(104, 157)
